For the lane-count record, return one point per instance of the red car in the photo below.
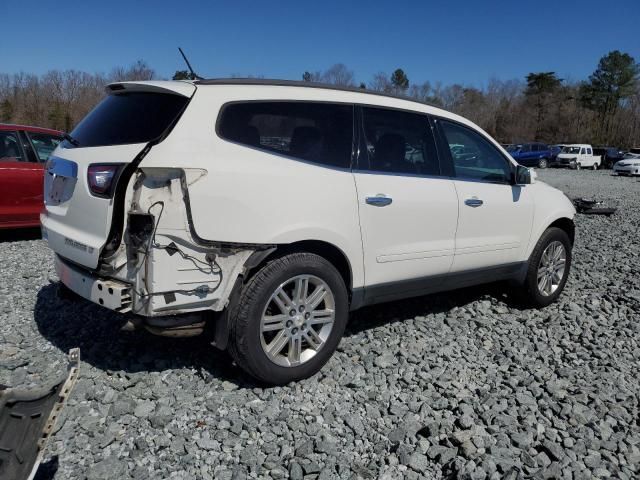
(23, 153)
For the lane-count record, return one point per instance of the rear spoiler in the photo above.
(27, 420)
(179, 87)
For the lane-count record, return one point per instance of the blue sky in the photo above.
(463, 41)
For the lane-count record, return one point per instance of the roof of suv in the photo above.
(11, 126)
(304, 84)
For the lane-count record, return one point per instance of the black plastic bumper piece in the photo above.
(27, 419)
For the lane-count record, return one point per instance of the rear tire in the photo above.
(548, 269)
(578, 166)
(277, 333)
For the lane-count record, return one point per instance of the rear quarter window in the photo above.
(129, 117)
(316, 132)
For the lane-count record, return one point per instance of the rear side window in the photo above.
(315, 132)
(135, 117)
(399, 142)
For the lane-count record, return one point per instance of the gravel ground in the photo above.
(462, 385)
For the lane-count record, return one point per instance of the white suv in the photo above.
(270, 209)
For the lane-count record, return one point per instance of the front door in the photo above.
(408, 211)
(495, 216)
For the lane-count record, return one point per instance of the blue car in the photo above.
(531, 154)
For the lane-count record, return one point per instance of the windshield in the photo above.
(571, 150)
(631, 155)
(513, 148)
(136, 117)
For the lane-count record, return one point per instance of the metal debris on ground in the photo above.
(592, 207)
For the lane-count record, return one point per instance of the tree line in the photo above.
(59, 99)
(602, 109)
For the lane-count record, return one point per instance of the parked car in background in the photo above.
(629, 165)
(608, 155)
(428, 202)
(531, 154)
(635, 150)
(578, 156)
(555, 150)
(23, 152)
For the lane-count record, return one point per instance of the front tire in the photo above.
(548, 268)
(543, 163)
(595, 166)
(289, 318)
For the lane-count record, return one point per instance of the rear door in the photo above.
(77, 221)
(20, 183)
(408, 210)
(495, 216)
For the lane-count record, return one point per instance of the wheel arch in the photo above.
(567, 225)
(324, 249)
(562, 220)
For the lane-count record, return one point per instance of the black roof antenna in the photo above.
(194, 75)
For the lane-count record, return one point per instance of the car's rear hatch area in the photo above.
(83, 172)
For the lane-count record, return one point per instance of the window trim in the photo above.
(277, 153)
(362, 159)
(449, 157)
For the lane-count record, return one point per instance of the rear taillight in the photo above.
(102, 179)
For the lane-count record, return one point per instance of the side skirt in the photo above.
(387, 292)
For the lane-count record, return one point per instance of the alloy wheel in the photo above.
(297, 320)
(551, 268)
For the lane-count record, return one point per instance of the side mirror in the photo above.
(522, 176)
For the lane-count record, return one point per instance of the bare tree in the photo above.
(339, 74)
(138, 71)
(381, 83)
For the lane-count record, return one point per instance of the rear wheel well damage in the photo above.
(324, 249)
(259, 259)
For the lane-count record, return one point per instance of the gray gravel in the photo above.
(463, 385)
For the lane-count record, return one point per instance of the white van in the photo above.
(270, 209)
(579, 155)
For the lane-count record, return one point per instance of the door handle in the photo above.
(379, 200)
(473, 202)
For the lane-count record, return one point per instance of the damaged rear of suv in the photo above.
(122, 231)
(258, 207)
